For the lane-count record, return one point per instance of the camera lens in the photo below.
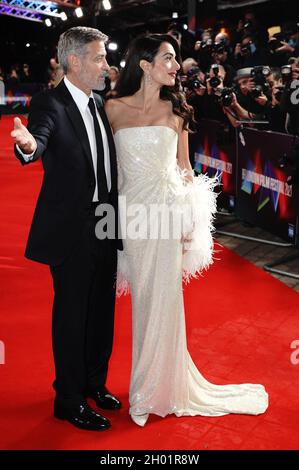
(256, 92)
(215, 82)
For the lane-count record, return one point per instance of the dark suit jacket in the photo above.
(69, 181)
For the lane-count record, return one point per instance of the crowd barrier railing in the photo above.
(254, 181)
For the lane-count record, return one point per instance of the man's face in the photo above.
(245, 85)
(221, 57)
(92, 67)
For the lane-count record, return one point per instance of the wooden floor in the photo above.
(256, 252)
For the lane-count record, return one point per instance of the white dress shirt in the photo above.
(81, 100)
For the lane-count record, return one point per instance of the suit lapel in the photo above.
(76, 120)
(80, 129)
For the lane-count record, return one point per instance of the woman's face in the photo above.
(164, 68)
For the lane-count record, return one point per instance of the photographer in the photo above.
(249, 25)
(284, 45)
(247, 101)
(221, 55)
(217, 81)
(234, 111)
(271, 109)
(274, 112)
(193, 85)
(252, 90)
(203, 50)
(248, 53)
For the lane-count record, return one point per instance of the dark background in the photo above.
(125, 21)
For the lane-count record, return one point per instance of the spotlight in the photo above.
(63, 16)
(185, 26)
(106, 4)
(28, 44)
(48, 22)
(175, 14)
(122, 63)
(112, 46)
(79, 12)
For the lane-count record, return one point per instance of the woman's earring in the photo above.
(148, 79)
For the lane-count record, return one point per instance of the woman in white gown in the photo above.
(150, 123)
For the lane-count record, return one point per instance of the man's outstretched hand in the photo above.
(23, 138)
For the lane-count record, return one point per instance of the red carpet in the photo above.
(240, 323)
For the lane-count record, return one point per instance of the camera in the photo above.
(248, 25)
(215, 81)
(286, 78)
(191, 80)
(259, 73)
(256, 91)
(225, 96)
(220, 47)
(246, 49)
(207, 45)
(286, 74)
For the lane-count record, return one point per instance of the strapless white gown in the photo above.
(164, 379)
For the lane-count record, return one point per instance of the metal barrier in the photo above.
(255, 186)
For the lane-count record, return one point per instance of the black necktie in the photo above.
(101, 173)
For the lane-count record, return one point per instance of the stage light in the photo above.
(112, 46)
(122, 63)
(48, 22)
(63, 16)
(106, 4)
(28, 44)
(175, 14)
(185, 26)
(79, 12)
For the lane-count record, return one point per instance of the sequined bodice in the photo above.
(146, 156)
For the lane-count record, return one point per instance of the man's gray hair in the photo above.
(74, 40)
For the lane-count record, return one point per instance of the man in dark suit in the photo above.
(69, 130)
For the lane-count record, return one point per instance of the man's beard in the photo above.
(98, 85)
(101, 86)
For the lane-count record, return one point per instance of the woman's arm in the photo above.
(183, 153)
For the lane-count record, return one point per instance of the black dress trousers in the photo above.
(83, 315)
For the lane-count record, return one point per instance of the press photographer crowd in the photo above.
(245, 76)
(234, 74)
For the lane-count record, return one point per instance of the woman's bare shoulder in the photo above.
(112, 108)
(112, 104)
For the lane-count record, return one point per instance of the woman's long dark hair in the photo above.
(146, 47)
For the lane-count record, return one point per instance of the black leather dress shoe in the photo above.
(81, 416)
(105, 400)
